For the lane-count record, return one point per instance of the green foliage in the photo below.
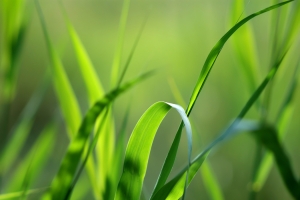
(96, 162)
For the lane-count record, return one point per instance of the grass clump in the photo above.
(95, 163)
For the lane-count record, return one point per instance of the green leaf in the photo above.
(210, 60)
(22, 127)
(283, 118)
(269, 138)
(139, 146)
(67, 171)
(210, 182)
(174, 189)
(28, 169)
(244, 47)
(120, 42)
(235, 126)
(63, 89)
(14, 195)
(93, 85)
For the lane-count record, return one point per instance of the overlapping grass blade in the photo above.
(244, 47)
(234, 127)
(15, 195)
(67, 100)
(283, 119)
(139, 146)
(67, 171)
(168, 164)
(174, 189)
(63, 89)
(115, 173)
(29, 168)
(210, 182)
(21, 129)
(269, 138)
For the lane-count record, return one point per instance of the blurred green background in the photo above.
(176, 40)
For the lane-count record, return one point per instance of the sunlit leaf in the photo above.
(139, 146)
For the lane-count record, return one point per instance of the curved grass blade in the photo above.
(284, 116)
(15, 195)
(168, 164)
(174, 189)
(139, 146)
(210, 182)
(64, 178)
(268, 137)
(63, 89)
(211, 58)
(234, 127)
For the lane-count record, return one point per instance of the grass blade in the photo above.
(64, 178)
(210, 182)
(210, 60)
(15, 195)
(244, 47)
(268, 137)
(63, 89)
(33, 162)
(93, 84)
(139, 146)
(119, 48)
(174, 189)
(233, 128)
(22, 127)
(283, 118)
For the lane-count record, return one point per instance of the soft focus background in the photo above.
(176, 40)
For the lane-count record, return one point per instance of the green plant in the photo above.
(113, 172)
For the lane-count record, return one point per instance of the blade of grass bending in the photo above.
(139, 146)
(168, 164)
(15, 195)
(233, 127)
(174, 189)
(63, 179)
(210, 182)
(35, 159)
(63, 89)
(282, 121)
(244, 47)
(120, 42)
(21, 129)
(269, 138)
